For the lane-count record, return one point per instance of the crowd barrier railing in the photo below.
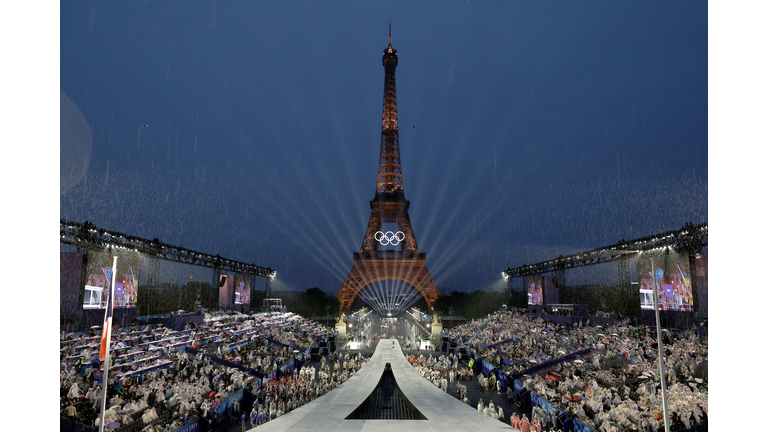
(194, 425)
(222, 408)
(554, 362)
(540, 401)
(69, 425)
(227, 363)
(576, 426)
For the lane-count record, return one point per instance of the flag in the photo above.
(134, 281)
(107, 274)
(686, 279)
(105, 329)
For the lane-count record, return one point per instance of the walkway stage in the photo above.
(327, 413)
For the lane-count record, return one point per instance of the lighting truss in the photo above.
(90, 237)
(690, 238)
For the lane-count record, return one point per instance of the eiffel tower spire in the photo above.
(390, 178)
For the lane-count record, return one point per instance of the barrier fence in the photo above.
(68, 425)
(194, 425)
(227, 363)
(551, 363)
(223, 408)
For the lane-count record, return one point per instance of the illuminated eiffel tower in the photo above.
(391, 255)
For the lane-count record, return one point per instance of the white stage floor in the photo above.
(444, 412)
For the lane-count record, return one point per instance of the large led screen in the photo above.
(99, 278)
(533, 285)
(242, 289)
(669, 277)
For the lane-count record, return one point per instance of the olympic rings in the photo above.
(389, 238)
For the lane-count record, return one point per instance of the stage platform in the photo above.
(443, 412)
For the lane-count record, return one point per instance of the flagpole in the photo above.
(661, 351)
(108, 329)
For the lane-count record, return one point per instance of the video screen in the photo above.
(669, 277)
(242, 289)
(533, 285)
(99, 278)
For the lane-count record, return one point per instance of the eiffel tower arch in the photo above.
(389, 254)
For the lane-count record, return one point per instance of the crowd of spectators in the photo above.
(612, 386)
(276, 398)
(446, 369)
(615, 386)
(156, 387)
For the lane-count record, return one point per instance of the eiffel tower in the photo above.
(392, 255)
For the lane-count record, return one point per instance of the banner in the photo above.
(540, 401)
(503, 379)
(226, 404)
(190, 426)
(518, 386)
(487, 367)
(580, 427)
(568, 424)
(68, 425)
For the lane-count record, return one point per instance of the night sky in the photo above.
(252, 129)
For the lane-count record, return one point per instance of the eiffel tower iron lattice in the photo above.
(390, 256)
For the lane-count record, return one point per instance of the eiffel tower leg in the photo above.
(369, 269)
(374, 224)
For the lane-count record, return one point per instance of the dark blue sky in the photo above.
(527, 129)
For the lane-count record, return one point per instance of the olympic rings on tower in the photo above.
(389, 238)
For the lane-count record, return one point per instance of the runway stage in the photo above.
(443, 412)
